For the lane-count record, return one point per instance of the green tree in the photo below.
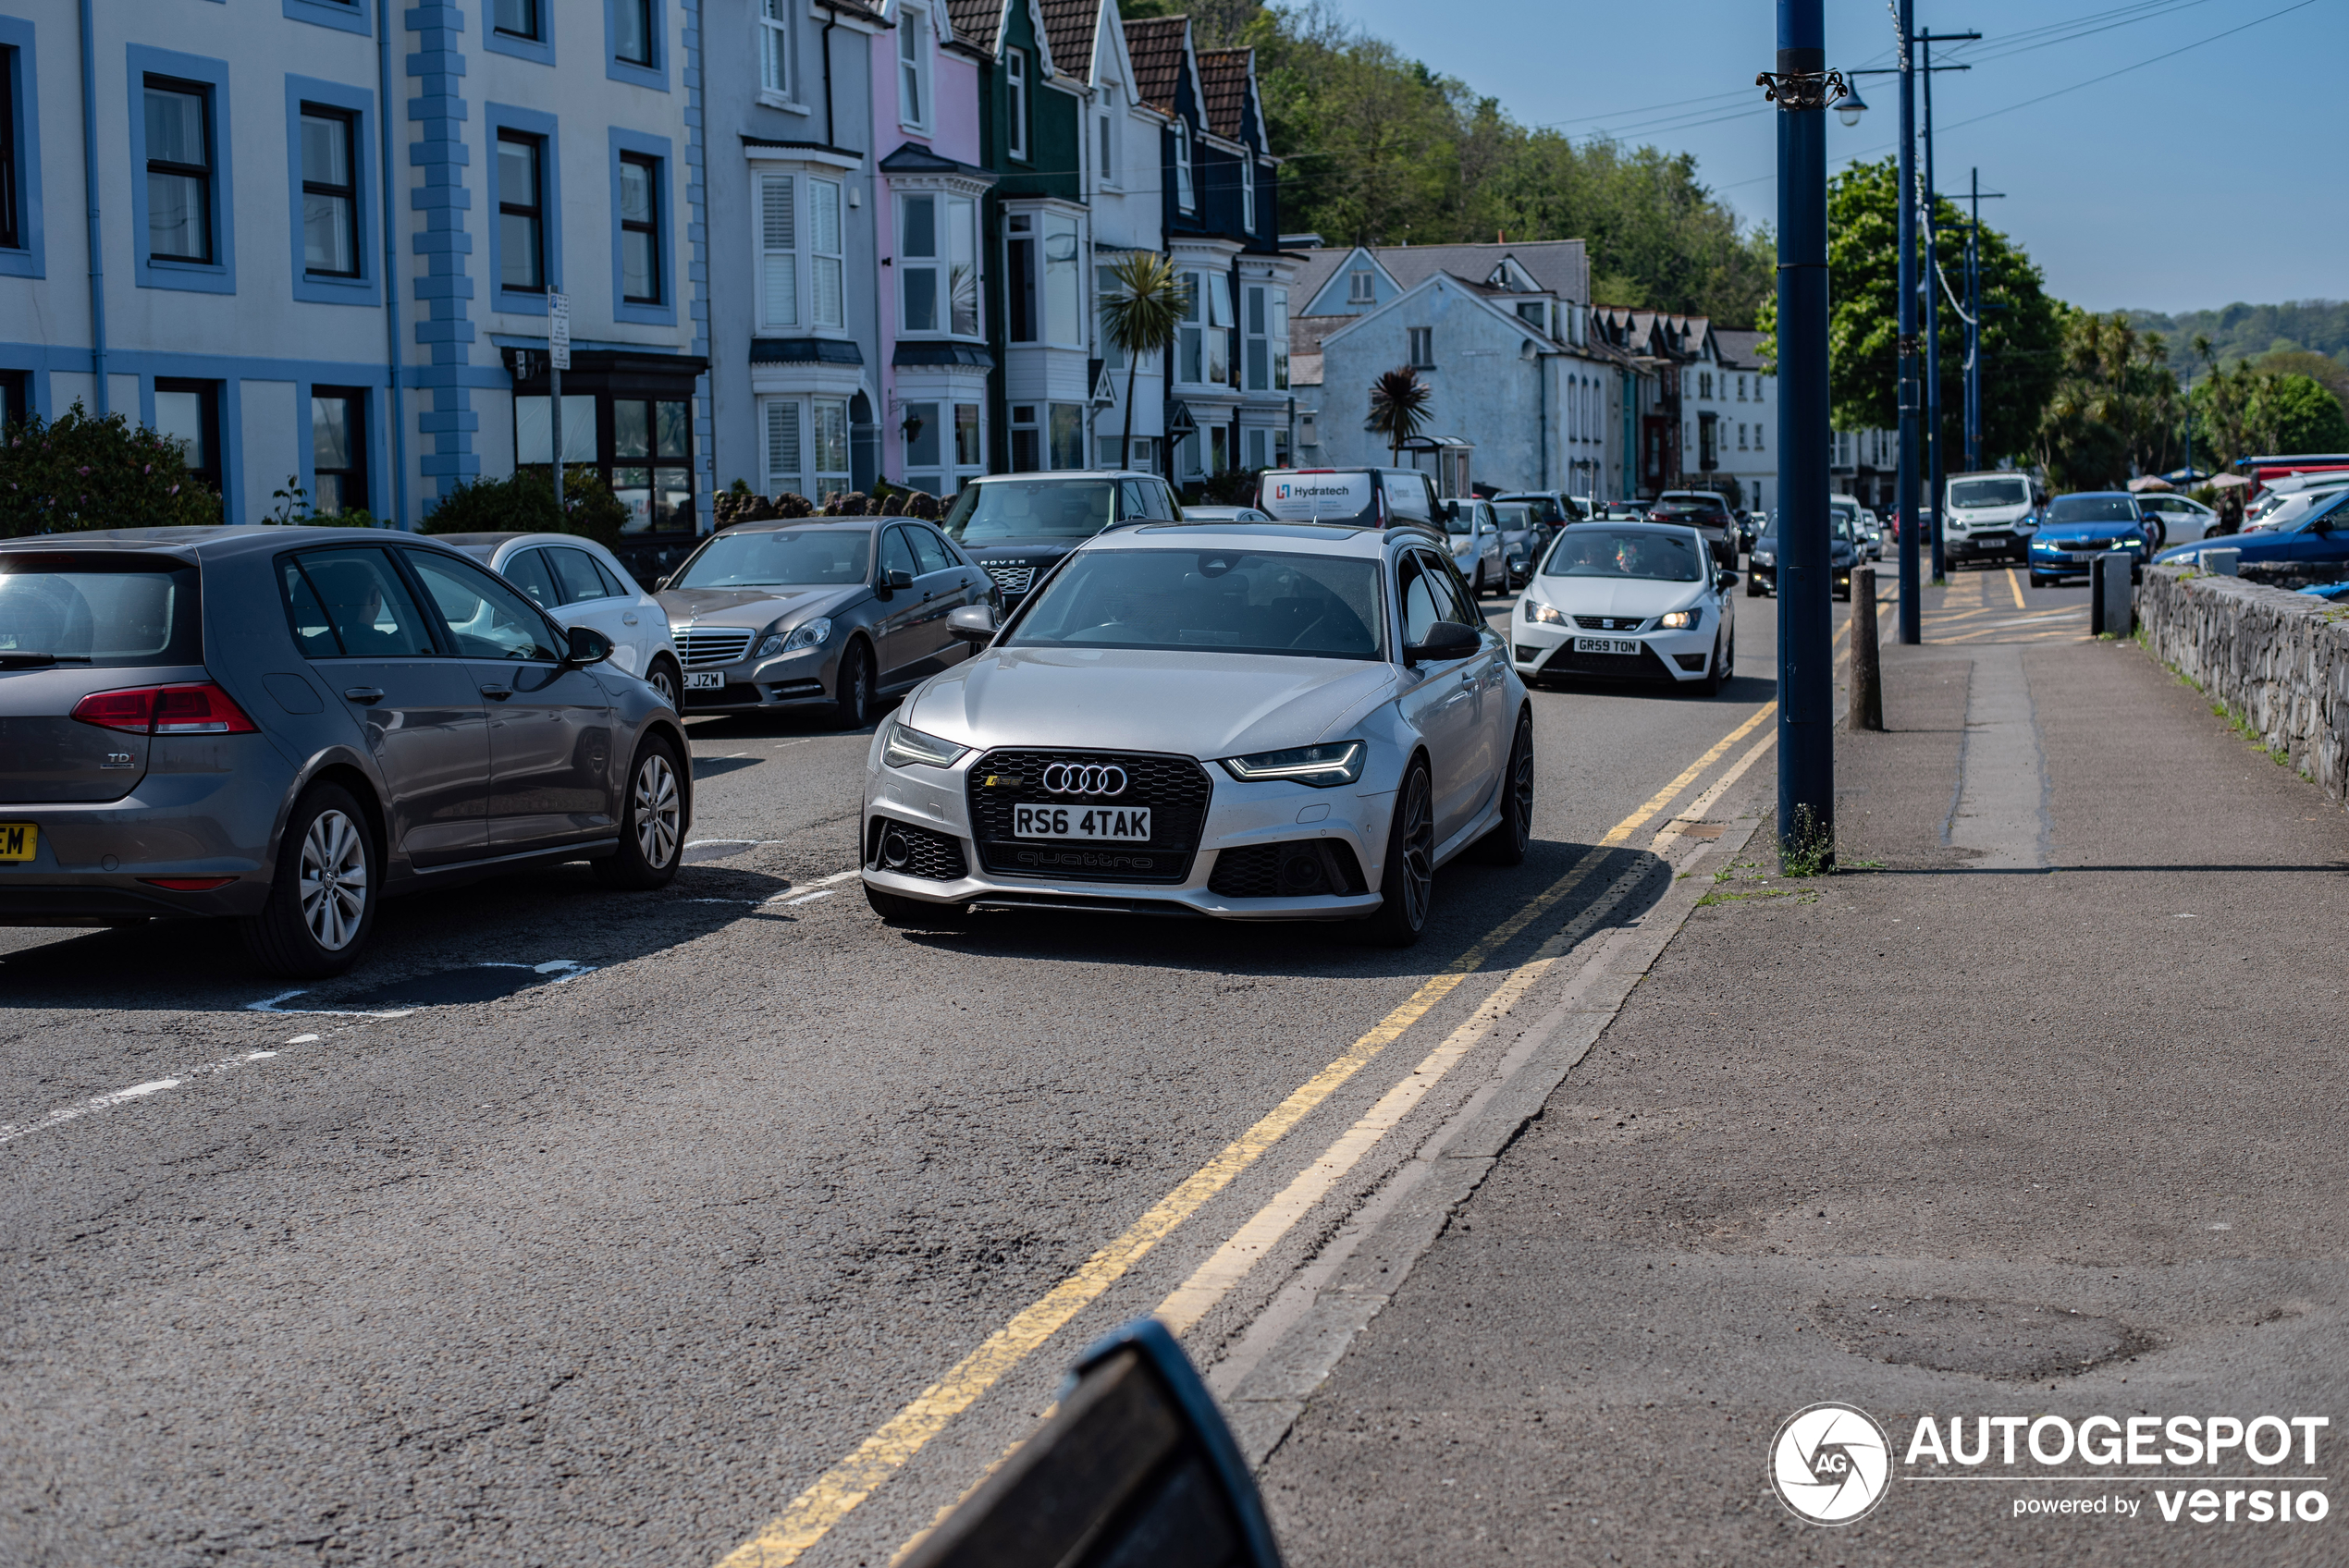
(75, 473)
(1142, 317)
(2245, 412)
(2115, 411)
(524, 503)
(2021, 334)
(2297, 414)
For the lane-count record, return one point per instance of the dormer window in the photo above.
(1015, 77)
(1360, 289)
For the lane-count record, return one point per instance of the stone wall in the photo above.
(2278, 659)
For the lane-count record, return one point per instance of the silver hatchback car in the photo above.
(281, 726)
(1267, 721)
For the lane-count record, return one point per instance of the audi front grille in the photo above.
(1174, 789)
(701, 646)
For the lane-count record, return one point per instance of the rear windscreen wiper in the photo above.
(31, 661)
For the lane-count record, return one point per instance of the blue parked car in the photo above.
(2318, 537)
(2075, 530)
(2328, 590)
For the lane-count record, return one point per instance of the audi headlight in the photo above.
(1541, 614)
(907, 746)
(1678, 620)
(1324, 767)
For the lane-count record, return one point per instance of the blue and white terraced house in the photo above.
(302, 235)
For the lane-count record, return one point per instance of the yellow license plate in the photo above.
(18, 840)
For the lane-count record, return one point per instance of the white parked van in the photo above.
(1991, 516)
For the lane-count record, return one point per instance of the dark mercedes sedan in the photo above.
(283, 725)
(817, 615)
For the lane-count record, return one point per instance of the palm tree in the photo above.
(1140, 318)
(1398, 407)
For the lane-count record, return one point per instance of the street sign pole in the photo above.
(1905, 496)
(557, 362)
(1934, 461)
(1802, 88)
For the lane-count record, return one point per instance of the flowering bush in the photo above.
(75, 473)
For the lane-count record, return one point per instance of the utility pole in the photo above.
(1937, 440)
(1912, 611)
(1976, 196)
(1802, 88)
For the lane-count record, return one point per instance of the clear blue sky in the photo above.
(2211, 176)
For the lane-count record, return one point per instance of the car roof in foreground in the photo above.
(776, 524)
(1316, 538)
(200, 542)
(1059, 473)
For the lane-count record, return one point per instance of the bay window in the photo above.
(936, 257)
(1043, 288)
(807, 445)
(1267, 351)
(778, 251)
(827, 255)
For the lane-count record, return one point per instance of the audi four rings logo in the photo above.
(1068, 778)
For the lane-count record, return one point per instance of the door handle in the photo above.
(363, 695)
(629, 618)
(496, 694)
(926, 598)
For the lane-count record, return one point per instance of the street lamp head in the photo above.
(1850, 106)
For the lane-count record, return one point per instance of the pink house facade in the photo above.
(928, 196)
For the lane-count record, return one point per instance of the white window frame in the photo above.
(772, 27)
(782, 429)
(914, 68)
(1015, 84)
(956, 235)
(1248, 194)
(1361, 288)
(776, 205)
(1186, 188)
(827, 254)
(1106, 138)
(1422, 347)
(1267, 302)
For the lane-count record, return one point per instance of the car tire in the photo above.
(2040, 581)
(2155, 534)
(1717, 674)
(1506, 844)
(852, 701)
(1477, 589)
(1408, 886)
(663, 678)
(312, 926)
(652, 820)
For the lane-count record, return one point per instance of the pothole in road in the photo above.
(439, 987)
(2005, 1341)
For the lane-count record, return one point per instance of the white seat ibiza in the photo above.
(1628, 601)
(1271, 721)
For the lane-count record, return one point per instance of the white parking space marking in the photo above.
(811, 898)
(10, 1132)
(269, 1004)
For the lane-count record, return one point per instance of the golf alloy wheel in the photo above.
(334, 880)
(657, 812)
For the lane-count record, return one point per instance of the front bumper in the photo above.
(2056, 560)
(1537, 649)
(1238, 816)
(797, 680)
(1989, 543)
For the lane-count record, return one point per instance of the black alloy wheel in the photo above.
(1506, 845)
(1408, 886)
(853, 708)
(322, 906)
(652, 820)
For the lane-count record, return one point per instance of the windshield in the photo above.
(1590, 551)
(1033, 508)
(97, 610)
(2015, 492)
(1217, 601)
(1544, 509)
(2093, 508)
(1684, 512)
(1512, 519)
(1463, 522)
(784, 557)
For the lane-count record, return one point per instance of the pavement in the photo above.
(2035, 1107)
(726, 1222)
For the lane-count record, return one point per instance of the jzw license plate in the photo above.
(705, 681)
(18, 840)
(1605, 646)
(1124, 824)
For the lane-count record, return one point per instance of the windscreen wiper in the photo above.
(35, 661)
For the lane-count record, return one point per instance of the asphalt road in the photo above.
(586, 1227)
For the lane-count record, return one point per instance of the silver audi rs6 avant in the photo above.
(1283, 721)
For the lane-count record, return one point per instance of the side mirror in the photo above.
(661, 585)
(974, 624)
(1446, 639)
(588, 646)
(1451, 511)
(896, 578)
(1728, 580)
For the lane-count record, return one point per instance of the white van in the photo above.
(1991, 516)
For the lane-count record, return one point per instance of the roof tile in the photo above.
(1157, 45)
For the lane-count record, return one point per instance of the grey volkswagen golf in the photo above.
(282, 726)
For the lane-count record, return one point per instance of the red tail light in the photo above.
(187, 884)
(200, 708)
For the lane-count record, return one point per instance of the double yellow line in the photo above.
(839, 1491)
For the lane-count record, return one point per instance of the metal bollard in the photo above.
(2222, 563)
(1867, 675)
(2096, 595)
(2114, 598)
